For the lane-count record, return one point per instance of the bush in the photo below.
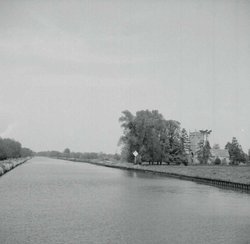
(217, 161)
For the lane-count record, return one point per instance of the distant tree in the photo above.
(128, 140)
(3, 154)
(75, 155)
(203, 152)
(125, 153)
(217, 161)
(9, 148)
(216, 146)
(235, 151)
(66, 151)
(26, 152)
(54, 154)
(12, 148)
(245, 158)
(185, 143)
(117, 157)
(185, 146)
(92, 155)
(171, 147)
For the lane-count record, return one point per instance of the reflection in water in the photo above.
(133, 174)
(53, 201)
(139, 174)
(130, 173)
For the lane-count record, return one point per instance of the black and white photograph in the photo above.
(124, 122)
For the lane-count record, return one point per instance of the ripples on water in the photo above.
(53, 201)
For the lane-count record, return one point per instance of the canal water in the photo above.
(54, 201)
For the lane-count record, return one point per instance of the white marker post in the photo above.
(135, 153)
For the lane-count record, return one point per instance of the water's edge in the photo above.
(9, 164)
(207, 181)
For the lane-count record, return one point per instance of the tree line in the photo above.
(67, 154)
(9, 148)
(159, 140)
(236, 153)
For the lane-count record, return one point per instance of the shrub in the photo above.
(217, 161)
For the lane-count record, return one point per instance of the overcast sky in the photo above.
(69, 68)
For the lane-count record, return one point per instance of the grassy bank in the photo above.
(9, 164)
(208, 174)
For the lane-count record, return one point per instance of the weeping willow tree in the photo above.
(153, 137)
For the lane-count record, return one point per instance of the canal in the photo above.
(54, 201)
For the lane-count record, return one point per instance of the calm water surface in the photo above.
(54, 201)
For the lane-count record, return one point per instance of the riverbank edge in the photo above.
(207, 181)
(10, 164)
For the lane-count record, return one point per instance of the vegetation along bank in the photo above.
(12, 154)
(9, 164)
(233, 177)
